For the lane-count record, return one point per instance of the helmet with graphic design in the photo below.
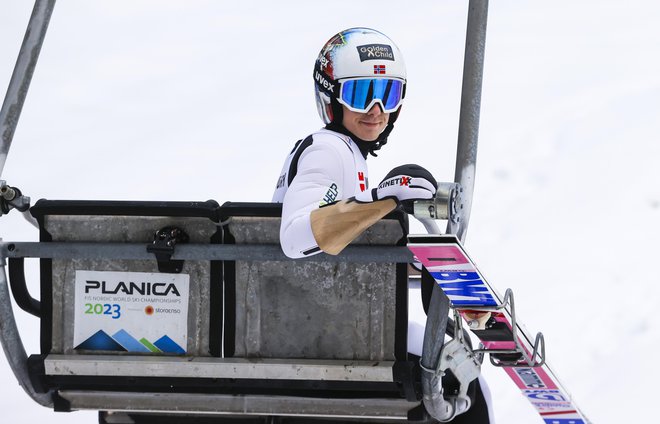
(359, 68)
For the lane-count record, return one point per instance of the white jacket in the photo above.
(323, 168)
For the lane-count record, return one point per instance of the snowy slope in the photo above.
(167, 100)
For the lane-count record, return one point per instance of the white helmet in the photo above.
(358, 68)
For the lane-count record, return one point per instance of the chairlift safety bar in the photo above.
(227, 252)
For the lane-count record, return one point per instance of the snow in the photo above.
(170, 100)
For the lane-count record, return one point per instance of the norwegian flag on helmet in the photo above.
(379, 69)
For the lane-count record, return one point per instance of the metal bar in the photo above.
(13, 345)
(468, 128)
(138, 251)
(19, 288)
(434, 339)
(22, 75)
(206, 367)
(185, 403)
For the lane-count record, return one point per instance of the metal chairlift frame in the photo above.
(9, 116)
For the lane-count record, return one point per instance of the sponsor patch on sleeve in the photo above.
(330, 195)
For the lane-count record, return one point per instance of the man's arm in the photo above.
(335, 226)
(319, 179)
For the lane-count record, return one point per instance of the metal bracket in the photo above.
(12, 198)
(447, 204)
(457, 357)
(463, 362)
(165, 241)
(518, 356)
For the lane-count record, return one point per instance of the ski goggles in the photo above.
(361, 94)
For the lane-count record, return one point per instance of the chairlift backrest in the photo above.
(315, 309)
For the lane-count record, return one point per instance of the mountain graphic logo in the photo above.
(122, 341)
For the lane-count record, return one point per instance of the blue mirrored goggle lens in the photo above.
(360, 93)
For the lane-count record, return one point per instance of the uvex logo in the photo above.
(324, 82)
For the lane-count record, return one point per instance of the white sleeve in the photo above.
(319, 180)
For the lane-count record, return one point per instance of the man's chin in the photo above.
(370, 135)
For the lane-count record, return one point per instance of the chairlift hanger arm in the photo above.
(468, 130)
(12, 344)
(22, 75)
(9, 115)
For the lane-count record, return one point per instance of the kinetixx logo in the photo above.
(401, 181)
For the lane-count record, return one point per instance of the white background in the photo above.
(176, 100)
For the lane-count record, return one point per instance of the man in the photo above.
(360, 82)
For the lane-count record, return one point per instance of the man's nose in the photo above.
(375, 110)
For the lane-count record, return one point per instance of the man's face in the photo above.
(366, 126)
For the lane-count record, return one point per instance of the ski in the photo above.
(492, 318)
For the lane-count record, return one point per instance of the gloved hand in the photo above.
(405, 184)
